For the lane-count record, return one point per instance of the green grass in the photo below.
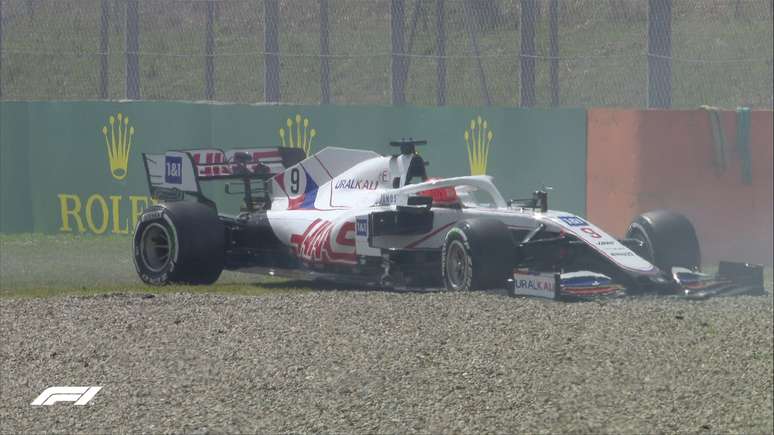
(51, 53)
(36, 265)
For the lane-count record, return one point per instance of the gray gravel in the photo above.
(387, 362)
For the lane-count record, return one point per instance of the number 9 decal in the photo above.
(294, 176)
(591, 232)
(295, 182)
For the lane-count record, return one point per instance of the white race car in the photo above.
(358, 217)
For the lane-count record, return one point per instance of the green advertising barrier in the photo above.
(76, 167)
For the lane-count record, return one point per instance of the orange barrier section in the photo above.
(640, 160)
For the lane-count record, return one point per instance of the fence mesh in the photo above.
(423, 52)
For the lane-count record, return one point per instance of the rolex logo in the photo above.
(298, 134)
(478, 139)
(118, 139)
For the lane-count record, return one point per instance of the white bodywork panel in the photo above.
(607, 245)
(321, 205)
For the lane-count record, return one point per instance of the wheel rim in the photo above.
(457, 265)
(640, 235)
(155, 247)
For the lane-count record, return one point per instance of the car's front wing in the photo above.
(731, 279)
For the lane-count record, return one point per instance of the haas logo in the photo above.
(315, 243)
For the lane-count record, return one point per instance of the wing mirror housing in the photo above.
(539, 201)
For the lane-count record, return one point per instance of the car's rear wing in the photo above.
(175, 173)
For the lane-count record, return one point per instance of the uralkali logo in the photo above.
(534, 284)
(80, 395)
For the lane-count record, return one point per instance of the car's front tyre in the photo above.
(668, 240)
(477, 254)
(179, 243)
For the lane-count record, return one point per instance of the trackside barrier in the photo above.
(640, 160)
(76, 167)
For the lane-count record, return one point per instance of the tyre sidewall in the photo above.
(672, 239)
(490, 252)
(199, 240)
(167, 273)
(458, 235)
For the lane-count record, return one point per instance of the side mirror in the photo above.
(541, 200)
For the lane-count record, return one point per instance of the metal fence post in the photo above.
(1, 49)
(471, 30)
(271, 79)
(553, 49)
(325, 66)
(132, 50)
(528, 16)
(209, 50)
(397, 17)
(104, 39)
(441, 46)
(660, 53)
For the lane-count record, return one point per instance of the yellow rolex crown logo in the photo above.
(299, 137)
(118, 139)
(478, 139)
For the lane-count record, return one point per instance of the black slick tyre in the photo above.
(477, 254)
(179, 243)
(668, 240)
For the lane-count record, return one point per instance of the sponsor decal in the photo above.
(534, 284)
(118, 140)
(362, 227)
(173, 169)
(355, 184)
(573, 221)
(387, 199)
(153, 215)
(622, 253)
(103, 213)
(214, 163)
(98, 214)
(80, 395)
(318, 244)
(297, 134)
(478, 139)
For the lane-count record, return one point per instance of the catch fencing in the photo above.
(626, 53)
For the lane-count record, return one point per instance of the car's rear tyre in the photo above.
(179, 243)
(668, 240)
(477, 254)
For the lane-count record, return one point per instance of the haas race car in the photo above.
(358, 218)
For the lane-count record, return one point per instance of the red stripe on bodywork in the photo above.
(414, 244)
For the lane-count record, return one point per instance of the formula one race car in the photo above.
(357, 217)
